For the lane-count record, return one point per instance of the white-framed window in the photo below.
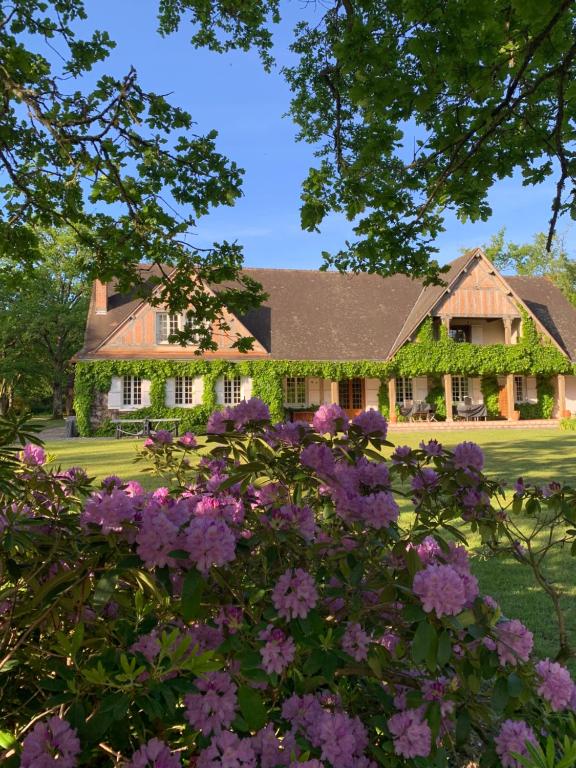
(131, 390)
(183, 390)
(295, 390)
(232, 390)
(459, 388)
(519, 389)
(404, 390)
(166, 326)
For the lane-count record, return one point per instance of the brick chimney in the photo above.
(100, 297)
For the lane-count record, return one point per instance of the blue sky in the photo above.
(232, 94)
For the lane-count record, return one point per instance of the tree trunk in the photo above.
(57, 400)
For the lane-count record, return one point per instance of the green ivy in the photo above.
(437, 398)
(544, 407)
(423, 357)
(491, 395)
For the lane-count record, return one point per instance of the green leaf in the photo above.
(444, 649)
(500, 694)
(192, 591)
(425, 638)
(104, 588)
(252, 708)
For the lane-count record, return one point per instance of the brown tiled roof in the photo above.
(547, 302)
(312, 315)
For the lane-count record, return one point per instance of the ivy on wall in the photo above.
(423, 357)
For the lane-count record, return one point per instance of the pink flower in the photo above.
(220, 422)
(209, 542)
(556, 685)
(513, 642)
(108, 510)
(227, 750)
(355, 642)
(188, 440)
(411, 733)
(468, 455)
(154, 754)
(318, 457)
(249, 412)
(51, 742)
(33, 455)
(156, 538)
(214, 706)
(330, 419)
(278, 652)
(294, 594)
(371, 423)
(441, 589)
(513, 737)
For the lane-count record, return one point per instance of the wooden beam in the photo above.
(392, 399)
(334, 394)
(510, 395)
(561, 395)
(507, 330)
(448, 395)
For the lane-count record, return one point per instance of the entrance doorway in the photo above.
(351, 396)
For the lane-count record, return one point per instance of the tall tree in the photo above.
(534, 259)
(414, 106)
(44, 315)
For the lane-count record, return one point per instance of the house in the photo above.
(359, 340)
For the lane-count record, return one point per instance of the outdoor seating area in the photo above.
(468, 411)
(419, 411)
(144, 427)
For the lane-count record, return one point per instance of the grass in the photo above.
(46, 421)
(538, 455)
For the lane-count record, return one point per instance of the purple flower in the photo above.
(209, 542)
(249, 412)
(371, 423)
(269, 749)
(402, 454)
(342, 739)
(220, 422)
(163, 436)
(431, 448)
(513, 737)
(468, 455)
(154, 754)
(513, 642)
(290, 516)
(355, 642)
(157, 537)
(441, 589)
(51, 742)
(379, 510)
(303, 712)
(33, 455)
(287, 433)
(330, 419)
(214, 706)
(108, 510)
(318, 457)
(188, 440)
(556, 685)
(230, 617)
(426, 479)
(411, 734)
(227, 750)
(148, 645)
(278, 651)
(519, 486)
(428, 550)
(294, 594)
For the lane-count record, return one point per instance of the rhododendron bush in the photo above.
(268, 607)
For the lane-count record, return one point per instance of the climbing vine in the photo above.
(426, 356)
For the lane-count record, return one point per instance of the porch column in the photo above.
(446, 323)
(561, 395)
(448, 396)
(510, 395)
(334, 394)
(507, 330)
(392, 399)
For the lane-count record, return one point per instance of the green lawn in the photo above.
(539, 455)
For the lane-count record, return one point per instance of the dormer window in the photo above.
(166, 325)
(460, 333)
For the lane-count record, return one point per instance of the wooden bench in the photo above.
(144, 427)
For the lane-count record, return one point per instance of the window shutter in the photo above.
(531, 391)
(475, 390)
(115, 393)
(313, 391)
(145, 393)
(246, 388)
(327, 393)
(419, 388)
(198, 390)
(372, 387)
(170, 393)
(220, 390)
